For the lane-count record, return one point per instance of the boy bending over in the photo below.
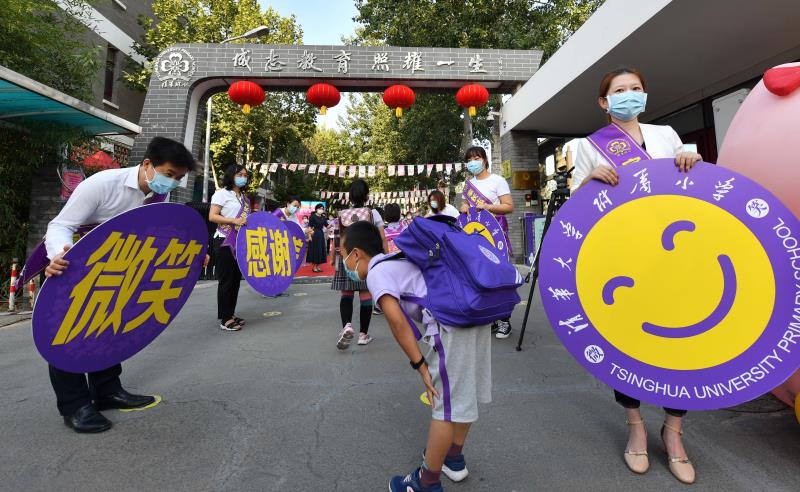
(456, 366)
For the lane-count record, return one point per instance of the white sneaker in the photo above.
(345, 337)
(364, 339)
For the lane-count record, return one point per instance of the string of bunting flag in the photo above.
(351, 171)
(408, 197)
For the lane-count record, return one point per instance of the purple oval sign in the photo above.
(299, 244)
(678, 289)
(127, 279)
(484, 223)
(265, 254)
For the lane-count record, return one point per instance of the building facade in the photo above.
(696, 80)
(113, 28)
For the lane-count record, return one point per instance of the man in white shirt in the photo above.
(99, 198)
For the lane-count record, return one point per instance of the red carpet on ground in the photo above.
(305, 271)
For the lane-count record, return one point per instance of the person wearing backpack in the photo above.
(394, 226)
(456, 365)
(347, 285)
(487, 191)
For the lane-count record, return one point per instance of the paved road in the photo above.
(276, 407)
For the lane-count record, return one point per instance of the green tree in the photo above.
(40, 41)
(273, 131)
(432, 130)
(510, 24)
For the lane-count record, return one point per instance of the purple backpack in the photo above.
(468, 283)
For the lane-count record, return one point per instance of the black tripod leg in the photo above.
(551, 209)
(534, 277)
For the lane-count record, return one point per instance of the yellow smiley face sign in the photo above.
(677, 289)
(676, 293)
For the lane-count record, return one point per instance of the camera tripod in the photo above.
(558, 197)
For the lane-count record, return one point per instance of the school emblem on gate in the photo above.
(679, 290)
(618, 147)
(175, 67)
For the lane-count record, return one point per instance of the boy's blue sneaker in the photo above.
(455, 468)
(410, 483)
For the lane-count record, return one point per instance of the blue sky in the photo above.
(323, 22)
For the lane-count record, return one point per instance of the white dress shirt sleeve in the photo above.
(675, 141)
(80, 207)
(586, 160)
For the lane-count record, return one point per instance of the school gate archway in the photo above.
(186, 75)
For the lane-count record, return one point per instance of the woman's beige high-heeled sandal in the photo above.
(680, 466)
(637, 461)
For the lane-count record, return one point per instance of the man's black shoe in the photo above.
(87, 420)
(124, 401)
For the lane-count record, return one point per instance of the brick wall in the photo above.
(522, 149)
(46, 203)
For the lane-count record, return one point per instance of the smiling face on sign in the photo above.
(670, 292)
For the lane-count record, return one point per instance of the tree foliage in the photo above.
(41, 41)
(433, 130)
(509, 24)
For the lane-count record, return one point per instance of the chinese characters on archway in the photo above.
(127, 271)
(383, 61)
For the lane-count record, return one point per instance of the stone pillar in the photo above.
(522, 149)
(46, 203)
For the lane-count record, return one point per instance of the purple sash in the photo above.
(232, 232)
(473, 196)
(38, 261)
(617, 146)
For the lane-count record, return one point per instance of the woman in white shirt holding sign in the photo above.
(622, 95)
(229, 209)
(490, 192)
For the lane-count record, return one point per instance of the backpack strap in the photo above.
(416, 300)
(445, 219)
(412, 324)
(419, 302)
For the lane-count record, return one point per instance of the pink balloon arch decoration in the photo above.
(763, 143)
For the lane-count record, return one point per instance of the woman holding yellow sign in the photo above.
(490, 192)
(624, 141)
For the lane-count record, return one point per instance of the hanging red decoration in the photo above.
(99, 161)
(247, 94)
(323, 96)
(472, 96)
(399, 97)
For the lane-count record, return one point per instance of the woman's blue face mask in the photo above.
(626, 106)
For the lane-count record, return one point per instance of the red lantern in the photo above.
(472, 96)
(246, 93)
(323, 96)
(399, 97)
